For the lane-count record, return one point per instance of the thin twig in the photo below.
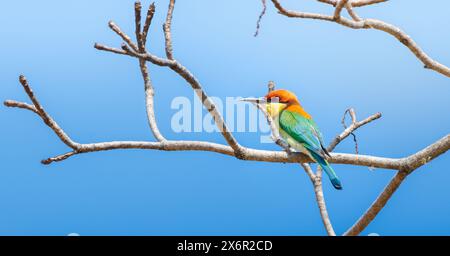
(113, 26)
(141, 38)
(355, 125)
(137, 18)
(337, 12)
(39, 110)
(401, 36)
(16, 104)
(167, 30)
(318, 190)
(352, 12)
(148, 22)
(181, 71)
(352, 114)
(261, 15)
(411, 162)
(360, 3)
(355, 3)
(101, 47)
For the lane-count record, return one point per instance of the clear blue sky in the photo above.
(97, 96)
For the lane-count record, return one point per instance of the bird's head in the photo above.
(276, 101)
(281, 96)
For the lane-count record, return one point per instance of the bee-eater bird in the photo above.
(297, 128)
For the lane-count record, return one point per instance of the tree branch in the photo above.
(355, 3)
(318, 190)
(377, 205)
(167, 30)
(407, 166)
(250, 153)
(349, 130)
(141, 38)
(339, 6)
(317, 179)
(39, 110)
(351, 12)
(258, 22)
(404, 166)
(148, 22)
(358, 23)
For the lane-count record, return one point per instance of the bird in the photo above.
(297, 128)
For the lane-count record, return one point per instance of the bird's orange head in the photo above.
(280, 100)
(282, 96)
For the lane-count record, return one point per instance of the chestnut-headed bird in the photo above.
(297, 128)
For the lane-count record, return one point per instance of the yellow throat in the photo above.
(274, 109)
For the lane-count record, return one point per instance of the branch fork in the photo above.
(356, 22)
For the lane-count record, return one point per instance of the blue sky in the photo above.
(98, 96)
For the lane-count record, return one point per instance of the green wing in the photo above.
(303, 130)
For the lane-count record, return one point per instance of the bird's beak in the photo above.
(255, 100)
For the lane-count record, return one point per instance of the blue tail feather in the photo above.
(328, 170)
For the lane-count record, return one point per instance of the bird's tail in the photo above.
(328, 170)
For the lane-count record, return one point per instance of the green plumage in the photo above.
(303, 135)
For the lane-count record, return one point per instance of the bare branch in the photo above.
(148, 22)
(16, 104)
(129, 51)
(409, 164)
(401, 36)
(359, 3)
(316, 180)
(184, 73)
(425, 155)
(149, 101)
(167, 30)
(337, 12)
(352, 114)
(332, 2)
(141, 38)
(304, 15)
(377, 205)
(355, 3)
(271, 86)
(138, 18)
(258, 22)
(109, 49)
(39, 110)
(59, 158)
(349, 130)
(124, 36)
(318, 190)
(148, 87)
(351, 12)
(431, 152)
